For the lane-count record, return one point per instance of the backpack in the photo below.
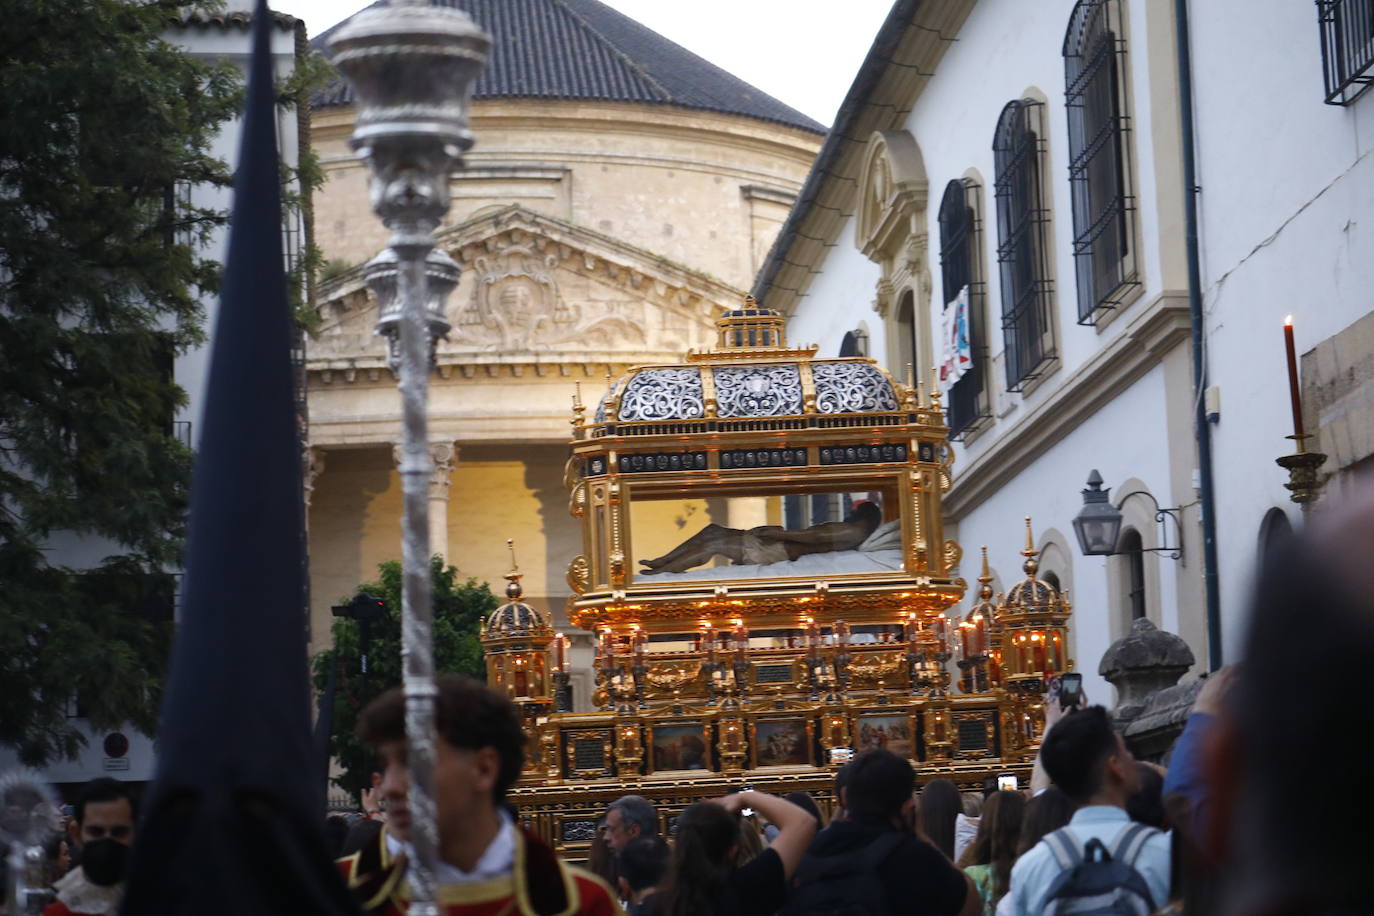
(843, 885)
(1097, 881)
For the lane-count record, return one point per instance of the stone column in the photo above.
(444, 455)
(747, 512)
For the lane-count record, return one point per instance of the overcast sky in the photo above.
(803, 52)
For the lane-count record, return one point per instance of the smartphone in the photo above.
(1070, 690)
(1007, 782)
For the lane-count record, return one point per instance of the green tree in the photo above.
(101, 275)
(459, 609)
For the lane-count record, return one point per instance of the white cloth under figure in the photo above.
(956, 354)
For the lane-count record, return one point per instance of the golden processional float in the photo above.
(811, 642)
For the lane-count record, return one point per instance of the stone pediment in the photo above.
(538, 290)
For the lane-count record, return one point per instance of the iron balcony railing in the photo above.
(1347, 30)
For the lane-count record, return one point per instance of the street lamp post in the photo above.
(412, 67)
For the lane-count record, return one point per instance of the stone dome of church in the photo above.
(583, 49)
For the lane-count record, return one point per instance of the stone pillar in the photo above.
(747, 512)
(444, 455)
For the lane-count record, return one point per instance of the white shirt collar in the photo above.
(497, 860)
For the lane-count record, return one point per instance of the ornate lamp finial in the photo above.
(513, 588)
(1030, 553)
(750, 302)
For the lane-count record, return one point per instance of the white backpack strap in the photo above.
(1065, 848)
(1130, 841)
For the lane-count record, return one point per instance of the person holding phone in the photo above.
(1058, 704)
(704, 878)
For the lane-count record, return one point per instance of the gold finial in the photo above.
(1030, 553)
(935, 388)
(513, 587)
(985, 591)
(750, 302)
(578, 410)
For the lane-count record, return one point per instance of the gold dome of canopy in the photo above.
(516, 618)
(751, 375)
(1032, 595)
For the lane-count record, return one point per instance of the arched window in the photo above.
(854, 343)
(1052, 580)
(1027, 293)
(1132, 551)
(1099, 173)
(1275, 533)
(960, 270)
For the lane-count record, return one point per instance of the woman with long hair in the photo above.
(940, 805)
(989, 858)
(1045, 813)
(703, 879)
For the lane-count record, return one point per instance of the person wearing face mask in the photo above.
(102, 830)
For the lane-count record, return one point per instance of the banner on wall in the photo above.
(956, 355)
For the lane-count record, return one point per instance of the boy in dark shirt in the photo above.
(873, 859)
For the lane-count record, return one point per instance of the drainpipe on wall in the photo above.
(1201, 428)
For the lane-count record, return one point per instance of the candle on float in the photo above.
(940, 627)
(607, 650)
(638, 642)
(964, 641)
(841, 633)
(559, 658)
(978, 637)
(1294, 391)
(1038, 648)
(912, 629)
(741, 639)
(813, 634)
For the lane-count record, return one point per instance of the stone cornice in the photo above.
(1160, 326)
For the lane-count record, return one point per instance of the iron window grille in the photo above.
(1099, 169)
(1347, 28)
(967, 407)
(1022, 250)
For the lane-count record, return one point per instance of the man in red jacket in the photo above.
(488, 865)
(101, 830)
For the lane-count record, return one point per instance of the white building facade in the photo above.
(1028, 160)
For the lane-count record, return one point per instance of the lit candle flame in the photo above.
(1288, 322)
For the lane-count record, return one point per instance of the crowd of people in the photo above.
(1224, 829)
